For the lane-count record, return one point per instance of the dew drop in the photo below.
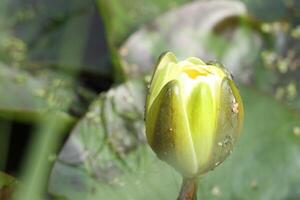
(215, 191)
(235, 107)
(147, 79)
(296, 131)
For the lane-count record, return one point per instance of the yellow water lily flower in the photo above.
(194, 114)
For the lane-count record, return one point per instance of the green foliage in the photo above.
(56, 34)
(106, 143)
(121, 18)
(42, 50)
(265, 164)
(25, 96)
(112, 164)
(213, 30)
(49, 132)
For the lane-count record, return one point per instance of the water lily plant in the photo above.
(194, 114)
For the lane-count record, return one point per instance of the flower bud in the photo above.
(194, 114)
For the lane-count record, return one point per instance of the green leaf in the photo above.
(276, 70)
(106, 156)
(280, 9)
(26, 96)
(265, 164)
(105, 144)
(47, 31)
(121, 18)
(210, 30)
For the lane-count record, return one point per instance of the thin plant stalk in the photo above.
(37, 167)
(188, 189)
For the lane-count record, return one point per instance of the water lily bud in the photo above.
(194, 114)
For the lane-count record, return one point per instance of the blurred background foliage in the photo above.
(73, 79)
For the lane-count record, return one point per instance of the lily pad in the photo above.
(25, 96)
(106, 156)
(47, 30)
(267, 152)
(210, 30)
(122, 18)
(113, 129)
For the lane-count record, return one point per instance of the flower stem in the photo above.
(188, 189)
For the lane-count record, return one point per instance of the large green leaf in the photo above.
(111, 128)
(106, 156)
(277, 71)
(255, 52)
(39, 58)
(49, 29)
(266, 162)
(25, 96)
(121, 18)
(210, 30)
(281, 9)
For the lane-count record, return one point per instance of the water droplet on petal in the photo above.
(235, 107)
(147, 79)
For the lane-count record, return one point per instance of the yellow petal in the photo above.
(164, 72)
(201, 108)
(168, 130)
